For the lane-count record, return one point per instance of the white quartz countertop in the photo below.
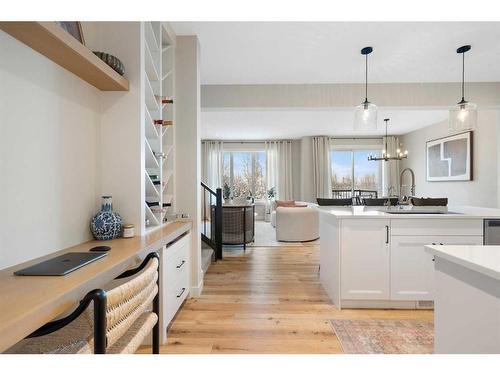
(483, 259)
(456, 212)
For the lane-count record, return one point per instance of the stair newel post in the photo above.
(218, 224)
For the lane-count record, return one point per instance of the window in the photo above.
(244, 174)
(354, 175)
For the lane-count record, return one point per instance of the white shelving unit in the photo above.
(159, 118)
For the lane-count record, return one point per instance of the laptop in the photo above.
(60, 265)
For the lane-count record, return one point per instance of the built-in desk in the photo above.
(28, 302)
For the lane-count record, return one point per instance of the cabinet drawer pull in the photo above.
(181, 293)
(386, 234)
(180, 265)
(433, 259)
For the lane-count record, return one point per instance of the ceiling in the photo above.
(291, 124)
(329, 52)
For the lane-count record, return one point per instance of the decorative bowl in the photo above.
(112, 61)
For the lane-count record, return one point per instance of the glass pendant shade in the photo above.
(365, 114)
(463, 117)
(365, 117)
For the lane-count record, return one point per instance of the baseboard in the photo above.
(195, 291)
(364, 304)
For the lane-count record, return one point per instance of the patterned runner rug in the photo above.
(385, 336)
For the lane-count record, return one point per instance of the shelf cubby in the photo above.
(151, 66)
(151, 192)
(151, 99)
(167, 150)
(150, 127)
(151, 161)
(150, 36)
(166, 177)
(153, 219)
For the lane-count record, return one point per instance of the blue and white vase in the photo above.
(106, 225)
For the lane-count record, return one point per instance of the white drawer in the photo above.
(436, 226)
(181, 244)
(175, 295)
(176, 264)
(175, 277)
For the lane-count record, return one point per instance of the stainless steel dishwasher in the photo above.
(491, 232)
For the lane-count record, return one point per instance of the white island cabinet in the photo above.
(375, 259)
(467, 303)
(365, 259)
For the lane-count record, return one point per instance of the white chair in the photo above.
(117, 322)
(297, 224)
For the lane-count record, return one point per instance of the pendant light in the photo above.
(464, 115)
(365, 114)
(386, 156)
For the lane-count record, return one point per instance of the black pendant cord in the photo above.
(366, 51)
(366, 78)
(463, 77)
(385, 140)
(463, 50)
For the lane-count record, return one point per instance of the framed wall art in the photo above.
(450, 158)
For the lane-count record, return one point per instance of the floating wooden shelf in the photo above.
(52, 41)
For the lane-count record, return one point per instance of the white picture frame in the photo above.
(450, 158)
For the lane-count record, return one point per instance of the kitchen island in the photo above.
(373, 257)
(467, 301)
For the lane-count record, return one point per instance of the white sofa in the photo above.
(296, 224)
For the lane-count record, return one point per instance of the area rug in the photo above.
(385, 336)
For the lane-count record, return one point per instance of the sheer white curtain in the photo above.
(213, 163)
(322, 171)
(279, 168)
(391, 167)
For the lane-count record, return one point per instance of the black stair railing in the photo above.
(211, 228)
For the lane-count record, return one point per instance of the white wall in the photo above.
(188, 145)
(122, 125)
(483, 190)
(49, 155)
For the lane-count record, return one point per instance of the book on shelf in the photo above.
(163, 122)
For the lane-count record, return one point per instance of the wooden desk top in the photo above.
(28, 302)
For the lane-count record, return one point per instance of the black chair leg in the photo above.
(156, 338)
(99, 321)
(156, 310)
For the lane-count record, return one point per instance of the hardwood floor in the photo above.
(267, 300)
